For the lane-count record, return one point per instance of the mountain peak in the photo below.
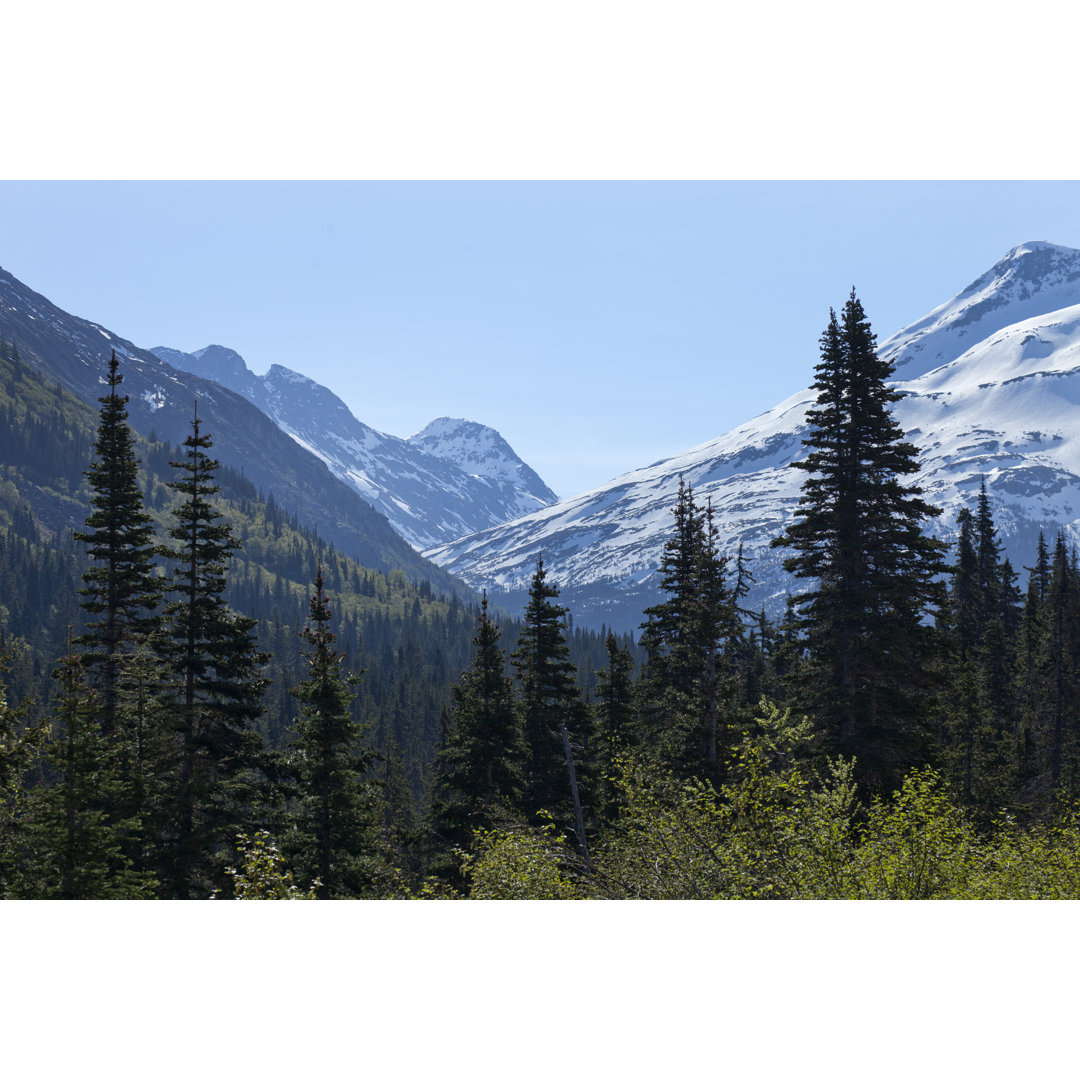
(278, 374)
(481, 451)
(1035, 263)
(222, 365)
(1029, 281)
(449, 425)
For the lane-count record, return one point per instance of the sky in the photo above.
(599, 325)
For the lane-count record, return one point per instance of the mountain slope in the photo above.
(452, 478)
(75, 353)
(992, 386)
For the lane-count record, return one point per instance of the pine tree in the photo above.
(332, 840)
(123, 589)
(857, 535)
(216, 687)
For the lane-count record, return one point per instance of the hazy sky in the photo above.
(599, 326)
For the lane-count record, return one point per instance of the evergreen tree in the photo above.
(332, 839)
(977, 646)
(123, 588)
(550, 703)
(857, 535)
(479, 772)
(147, 754)
(963, 704)
(79, 845)
(616, 699)
(1001, 619)
(616, 720)
(1056, 715)
(1032, 633)
(402, 832)
(215, 689)
(691, 640)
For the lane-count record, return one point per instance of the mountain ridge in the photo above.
(990, 382)
(452, 478)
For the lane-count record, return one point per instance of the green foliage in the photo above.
(523, 864)
(918, 845)
(79, 844)
(21, 747)
(780, 830)
(262, 873)
(769, 832)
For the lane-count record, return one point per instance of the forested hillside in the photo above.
(70, 351)
(409, 640)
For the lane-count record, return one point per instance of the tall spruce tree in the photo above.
(550, 702)
(690, 640)
(332, 841)
(215, 688)
(122, 588)
(857, 535)
(479, 771)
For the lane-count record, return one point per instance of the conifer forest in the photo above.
(201, 698)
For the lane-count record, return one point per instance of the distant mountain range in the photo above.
(991, 384)
(452, 478)
(74, 352)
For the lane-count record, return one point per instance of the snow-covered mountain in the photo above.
(992, 392)
(452, 478)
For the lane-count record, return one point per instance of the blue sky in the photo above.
(599, 325)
